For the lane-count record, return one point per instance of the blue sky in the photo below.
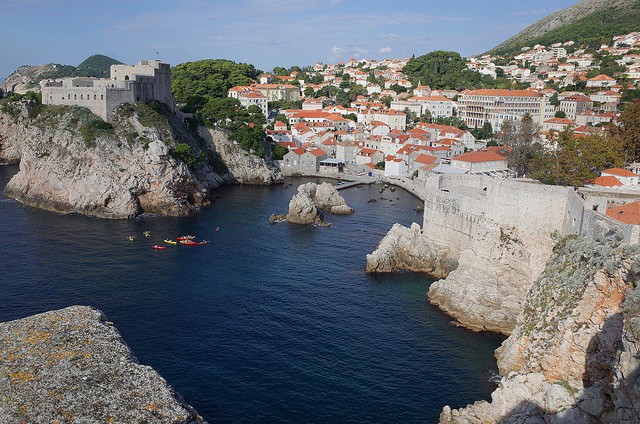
(265, 33)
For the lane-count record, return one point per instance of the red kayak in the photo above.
(156, 247)
(188, 243)
(183, 238)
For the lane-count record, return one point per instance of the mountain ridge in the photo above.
(587, 19)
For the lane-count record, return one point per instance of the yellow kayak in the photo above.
(170, 241)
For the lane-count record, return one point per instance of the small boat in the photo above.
(156, 247)
(371, 200)
(200, 243)
(217, 229)
(146, 233)
(392, 188)
(131, 238)
(188, 243)
(170, 241)
(183, 238)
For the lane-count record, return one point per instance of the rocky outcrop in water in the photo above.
(574, 353)
(72, 162)
(408, 249)
(71, 365)
(146, 161)
(243, 167)
(305, 205)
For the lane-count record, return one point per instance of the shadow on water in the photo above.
(600, 401)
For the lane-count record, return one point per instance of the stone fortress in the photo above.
(145, 81)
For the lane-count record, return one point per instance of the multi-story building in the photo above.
(495, 106)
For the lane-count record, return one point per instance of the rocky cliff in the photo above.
(146, 161)
(574, 354)
(243, 167)
(71, 365)
(408, 249)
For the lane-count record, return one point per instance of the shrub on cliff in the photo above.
(183, 152)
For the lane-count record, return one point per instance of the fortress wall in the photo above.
(115, 98)
(464, 180)
(532, 208)
(89, 97)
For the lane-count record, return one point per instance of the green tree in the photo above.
(309, 91)
(520, 137)
(580, 159)
(627, 132)
(560, 114)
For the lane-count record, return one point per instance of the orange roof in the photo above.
(425, 159)
(602, 77)
(504, 93)
(621, 172)
(607, 181)
(299, 151)
(318, 152)
(480, 156)
(629, 213)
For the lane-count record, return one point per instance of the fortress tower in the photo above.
(145, 81)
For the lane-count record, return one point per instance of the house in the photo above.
(366, 155)
(291, 162)
(575, 104)
(395, 167)
(556, 124)
(601, 81)
(626, 177)
(310, 161)
(480, 162)
(425, 162)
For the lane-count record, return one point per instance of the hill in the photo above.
(589, 21)
(96, 66)
(27, 77)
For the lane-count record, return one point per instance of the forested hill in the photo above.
(591, 22)
(27, 77)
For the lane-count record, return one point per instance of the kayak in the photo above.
(183, 238)
(200, 243)
(188, 242)
(170, 241)
(156, 247)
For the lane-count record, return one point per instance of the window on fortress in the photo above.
(68, 96)
(81, 97)
(102, 97)
(75, 97)
(94, 97)
(126, 77)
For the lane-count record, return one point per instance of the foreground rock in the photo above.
(305, 205)
(71, 365)
(408, 249)
(573, 356)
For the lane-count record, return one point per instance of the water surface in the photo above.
(267, 323)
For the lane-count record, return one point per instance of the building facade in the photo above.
(148, 80)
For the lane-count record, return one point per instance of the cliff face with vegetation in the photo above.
(145, 162)
(587, 21)
(71, 365)
(573, 356)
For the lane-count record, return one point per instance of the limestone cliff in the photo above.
(243, 167)
(407, 248)
(71, 365)
(145, 161)
(573, 355)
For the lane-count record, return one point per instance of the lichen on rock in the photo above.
(71, 365)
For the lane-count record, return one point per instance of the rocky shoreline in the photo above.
(71, 365)
(145, 162)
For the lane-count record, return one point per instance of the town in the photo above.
(396, 128)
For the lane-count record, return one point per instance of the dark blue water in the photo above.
(267, 323)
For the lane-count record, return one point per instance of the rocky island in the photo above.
(305, 205)
(71, 365)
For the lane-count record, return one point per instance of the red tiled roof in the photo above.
(607, 181)
(621, 172)
(480, 156)
(629, 213)
(504, 93)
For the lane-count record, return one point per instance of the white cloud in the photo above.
(385, 50)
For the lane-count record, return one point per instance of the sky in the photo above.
(265, 33)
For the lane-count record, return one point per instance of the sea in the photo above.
(268, 323)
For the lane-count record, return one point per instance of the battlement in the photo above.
(148, 80)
